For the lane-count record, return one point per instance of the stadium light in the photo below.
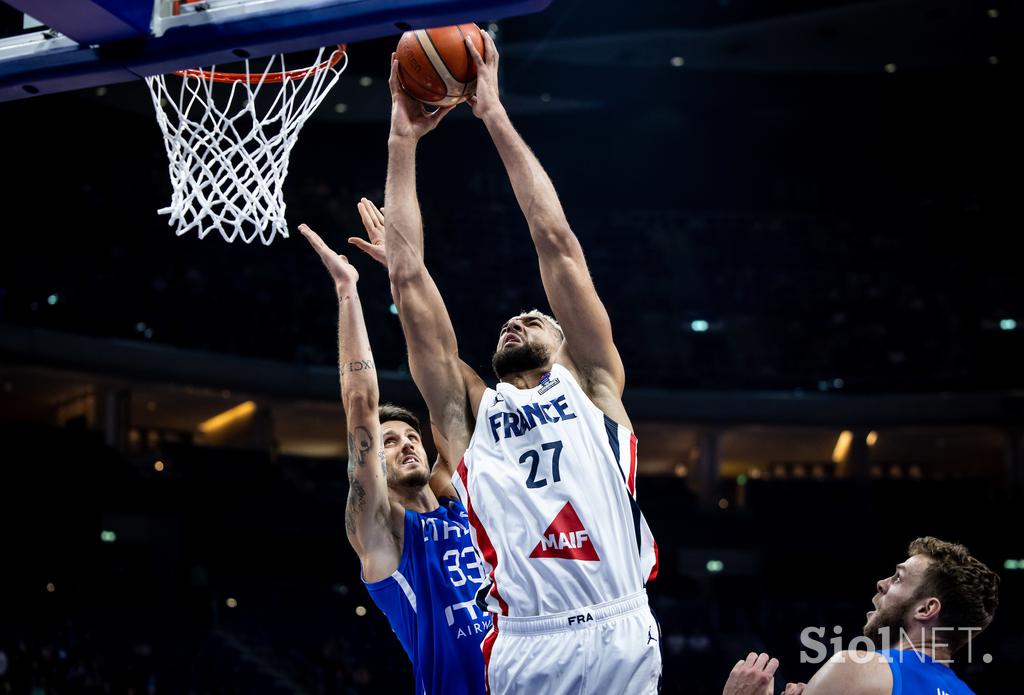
(393, 309)
(52, 299)
(108, 536)
(1014, 565)
(715, 566)
(872, 438)
(1007, 324)
(699, 326)
(228, 417)
(842, 446)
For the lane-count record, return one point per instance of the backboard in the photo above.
(86, 43)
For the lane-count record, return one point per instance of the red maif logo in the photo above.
(566, 538)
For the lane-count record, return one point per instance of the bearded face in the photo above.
(525, 343)
(884, 624)
(519, 358)
(895, 602)
(406, 458)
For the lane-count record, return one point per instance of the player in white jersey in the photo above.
(548, 476)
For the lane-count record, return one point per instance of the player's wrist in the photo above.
(494, 114)
(399, 140)
(345, 290)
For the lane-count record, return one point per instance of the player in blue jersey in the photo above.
(934, 604)
(415, 549)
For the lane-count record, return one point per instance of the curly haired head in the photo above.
(967, 589)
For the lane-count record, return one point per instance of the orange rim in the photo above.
(271, 77)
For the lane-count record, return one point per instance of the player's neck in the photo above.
(528, 379)
(419, 500)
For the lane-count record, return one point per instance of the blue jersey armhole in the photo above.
(403, 562)
(389, 592)
(457, 503)
(897, 677)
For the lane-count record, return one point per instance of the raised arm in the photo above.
(563, 269)
(373, 246)
(451, 391)
(441, 475)
(368, 512)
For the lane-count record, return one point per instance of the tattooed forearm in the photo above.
(357, 366)
(383, 463)
(359, 443)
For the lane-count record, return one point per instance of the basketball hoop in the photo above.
(228, 147)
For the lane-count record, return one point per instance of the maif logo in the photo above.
(566, 538)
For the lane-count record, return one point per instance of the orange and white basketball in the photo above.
(435, 65)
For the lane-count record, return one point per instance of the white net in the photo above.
(228, 143)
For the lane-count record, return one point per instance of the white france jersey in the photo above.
(549, 484)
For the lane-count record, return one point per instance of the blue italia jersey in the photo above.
(914, 673)
(430, 601)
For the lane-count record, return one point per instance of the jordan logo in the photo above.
(650, 637)
(566, 538)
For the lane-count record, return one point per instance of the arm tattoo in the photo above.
(356, 504)
(359, 443)
(357, 496)
(350, 520)
(357, 366)
(365, 442)
(353, 456)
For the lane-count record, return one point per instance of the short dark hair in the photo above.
(389, 411)
(967, 588)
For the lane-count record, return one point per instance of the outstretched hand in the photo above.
(409, 118)
(344, 275)
(486, 100)
(373, 221)
(754, 676)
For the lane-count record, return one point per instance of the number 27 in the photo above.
(533, 456)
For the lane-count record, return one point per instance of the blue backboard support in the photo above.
(95, 42)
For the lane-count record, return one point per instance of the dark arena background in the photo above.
(804, 219)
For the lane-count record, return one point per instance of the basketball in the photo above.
(435, 65)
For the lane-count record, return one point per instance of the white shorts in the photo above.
(610, 648)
